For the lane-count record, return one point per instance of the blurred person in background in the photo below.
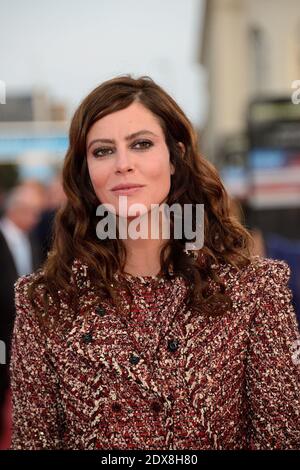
(55, 198)
(257, 235)
(20, 254)
(276, 247)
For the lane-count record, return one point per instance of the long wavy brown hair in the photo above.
(195, 181)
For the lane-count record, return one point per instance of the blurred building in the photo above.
(33, 136)
(33, 105)
(250, 48)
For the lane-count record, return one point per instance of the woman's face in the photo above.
(116, 156)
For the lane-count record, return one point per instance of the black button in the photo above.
(156, 406)
(173, 345)
(116, 406)
(87, 337)
(170, 397)
(100, 311)
(134, 359)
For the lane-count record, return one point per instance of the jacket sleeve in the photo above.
(273, 364)
(37, 415)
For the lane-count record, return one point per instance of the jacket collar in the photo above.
(91, 336)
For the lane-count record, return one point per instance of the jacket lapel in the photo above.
(103, 341)
(101, 337)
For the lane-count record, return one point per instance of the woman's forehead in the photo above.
(125, 122)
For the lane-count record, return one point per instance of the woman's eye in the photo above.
(147, 142)
(101, 152)
(97, 152)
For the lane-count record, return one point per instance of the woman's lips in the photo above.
(128, 191)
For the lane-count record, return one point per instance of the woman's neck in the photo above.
(143, 257)
(143, 254)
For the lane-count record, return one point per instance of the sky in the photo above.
(69, 47)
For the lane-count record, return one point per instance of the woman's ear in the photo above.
(182, 147)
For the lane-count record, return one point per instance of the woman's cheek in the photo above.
(97, 175)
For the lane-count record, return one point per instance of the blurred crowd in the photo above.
(26, 224)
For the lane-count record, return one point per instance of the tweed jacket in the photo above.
(158, 375)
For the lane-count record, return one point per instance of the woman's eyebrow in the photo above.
(128, 137)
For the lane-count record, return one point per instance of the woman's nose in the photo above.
(124, 162)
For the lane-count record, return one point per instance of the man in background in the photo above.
(19, 254)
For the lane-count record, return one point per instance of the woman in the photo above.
(140, 343)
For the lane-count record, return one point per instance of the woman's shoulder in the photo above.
(257, 272)
(22, 286)
(37, 308)
(261, 289)
(31, 289)
(262, 265)
(25, 319)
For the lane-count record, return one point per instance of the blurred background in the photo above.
(232, 65)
